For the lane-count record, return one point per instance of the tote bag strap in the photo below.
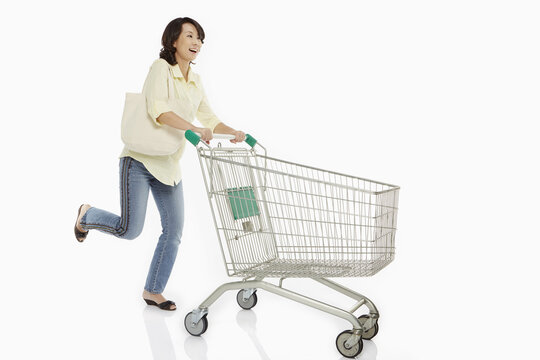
(170, 84)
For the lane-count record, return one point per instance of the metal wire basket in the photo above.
(276, 218)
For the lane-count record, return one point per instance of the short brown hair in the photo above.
(171, 34)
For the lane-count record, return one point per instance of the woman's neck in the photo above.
(184, 66)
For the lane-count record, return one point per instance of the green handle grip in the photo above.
(250, 140)
(192, 137)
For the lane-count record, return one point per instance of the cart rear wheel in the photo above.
(348, 352)
(371, 333)
(197, 329)
(246, 304)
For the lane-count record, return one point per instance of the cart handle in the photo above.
(194, 138)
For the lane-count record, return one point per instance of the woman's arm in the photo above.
(221, 128)
(175, 121)
(157, 95)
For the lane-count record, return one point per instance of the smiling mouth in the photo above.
(193, 51)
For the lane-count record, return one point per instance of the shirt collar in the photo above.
(177, 73)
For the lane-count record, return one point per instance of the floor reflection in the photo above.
(247, 320)
(158, 333)
(369, 352)
(196, 348)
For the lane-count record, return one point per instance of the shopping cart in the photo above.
(278, 219)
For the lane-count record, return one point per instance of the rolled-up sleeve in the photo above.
(205, 115)
(156, 90)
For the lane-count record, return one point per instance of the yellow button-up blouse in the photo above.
(194, 103)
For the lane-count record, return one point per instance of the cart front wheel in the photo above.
(195, 329)
(371, 333)
(351, 352)
(246, 304)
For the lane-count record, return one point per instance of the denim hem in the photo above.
(151, 292)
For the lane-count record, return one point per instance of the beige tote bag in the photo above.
(141, 134)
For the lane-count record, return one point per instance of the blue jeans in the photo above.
(135, 182)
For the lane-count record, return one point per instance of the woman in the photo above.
(139, 173)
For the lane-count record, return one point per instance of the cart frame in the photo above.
(255, 209)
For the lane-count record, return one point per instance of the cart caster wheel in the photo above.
(246, 304)
(371, 333)
(197, 329)
(351, 352)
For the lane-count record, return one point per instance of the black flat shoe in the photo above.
(166, 305)
(79, 235)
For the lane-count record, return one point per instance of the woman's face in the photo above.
(188, 43)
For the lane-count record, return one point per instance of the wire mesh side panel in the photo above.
(238, 206)
(300, 221)
(327, 224)
(385, 223)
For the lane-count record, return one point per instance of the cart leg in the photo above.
(256, 284)
(353, 338)
(237, 285)
(362, 300)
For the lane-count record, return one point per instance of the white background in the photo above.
(439, 97)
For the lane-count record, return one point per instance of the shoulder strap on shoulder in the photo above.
(170, 82)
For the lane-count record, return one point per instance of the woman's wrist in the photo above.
(221, 128)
